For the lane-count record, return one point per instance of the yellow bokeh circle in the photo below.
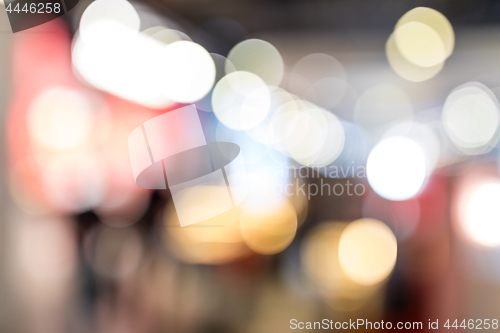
(367, 251)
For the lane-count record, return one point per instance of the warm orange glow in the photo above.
(269, 232)
(367, 251)
(213, 241)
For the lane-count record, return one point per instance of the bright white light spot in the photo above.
(471, 118)
(60, 118)
(482, 215)
(422, 134)
(120, 11)
(126, 65)
(258, 57)
(241, 100)
(139, 67)
(188, 71)
(396, 168)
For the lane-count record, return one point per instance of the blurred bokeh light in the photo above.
(344, 165)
